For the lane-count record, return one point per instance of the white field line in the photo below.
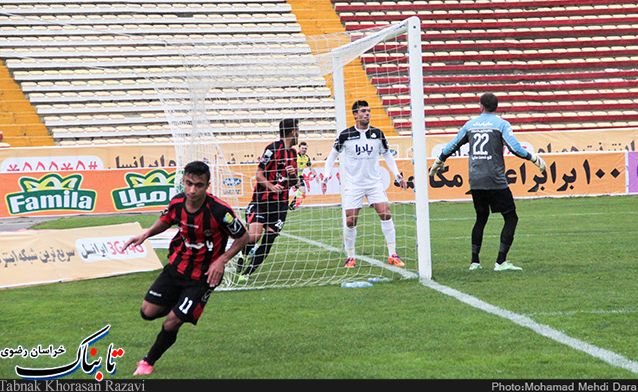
(607, 356)
(610, 357)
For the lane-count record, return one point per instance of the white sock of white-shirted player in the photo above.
(350, 237)
(387, 227)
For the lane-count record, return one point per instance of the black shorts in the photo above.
(499, 200)
(272, 214)
(186, 297)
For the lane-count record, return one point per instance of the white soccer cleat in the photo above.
(506, 266)
(475, 266)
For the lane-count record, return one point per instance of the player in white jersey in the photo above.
(360, 147)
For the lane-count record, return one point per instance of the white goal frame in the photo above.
(343, 55)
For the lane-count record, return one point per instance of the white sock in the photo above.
(350, 238)
(387, 227)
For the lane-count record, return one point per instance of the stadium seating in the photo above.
(556, 65)
(94, 71)
(103, 71)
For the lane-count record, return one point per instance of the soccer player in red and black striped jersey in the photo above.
(196, 258)
(276, 174)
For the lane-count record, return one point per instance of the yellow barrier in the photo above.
(47, 256)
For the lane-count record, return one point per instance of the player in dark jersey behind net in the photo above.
(276, 174)
(487, 134)
(196, 258)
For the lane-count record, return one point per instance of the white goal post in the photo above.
(234, 92)
(342, 56)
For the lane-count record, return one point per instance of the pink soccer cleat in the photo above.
(396, 260)
(350, 262)
(143, 368)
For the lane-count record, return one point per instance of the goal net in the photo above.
(228, 106)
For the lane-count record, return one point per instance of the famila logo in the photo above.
(156, 188)
(51, 193)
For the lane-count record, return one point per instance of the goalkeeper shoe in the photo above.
(243, 278)
(475, 266)
(506, 266)
(143, 368)
(350, 262)
(396, 261)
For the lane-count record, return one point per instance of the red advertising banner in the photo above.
(112, 191)
(97, 191)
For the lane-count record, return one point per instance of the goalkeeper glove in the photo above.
(538, 161)
(436, 168)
